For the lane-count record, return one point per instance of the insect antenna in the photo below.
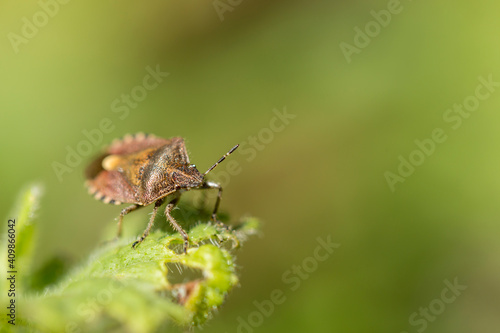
(221, 159)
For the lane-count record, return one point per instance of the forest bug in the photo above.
(143, 169)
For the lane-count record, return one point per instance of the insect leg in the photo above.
(211, 185)
(174, 223)
(124, 212)
(150, 224)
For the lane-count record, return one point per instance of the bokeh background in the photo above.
(322, 175)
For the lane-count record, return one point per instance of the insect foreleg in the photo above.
(211, 185)
(150, 224)
(173, 222)
(124, 212)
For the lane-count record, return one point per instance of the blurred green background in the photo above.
(322, 175)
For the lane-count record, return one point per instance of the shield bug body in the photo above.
(143, 169)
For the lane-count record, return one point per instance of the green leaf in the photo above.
(20, 248)
(137, 290)
(24, 215)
